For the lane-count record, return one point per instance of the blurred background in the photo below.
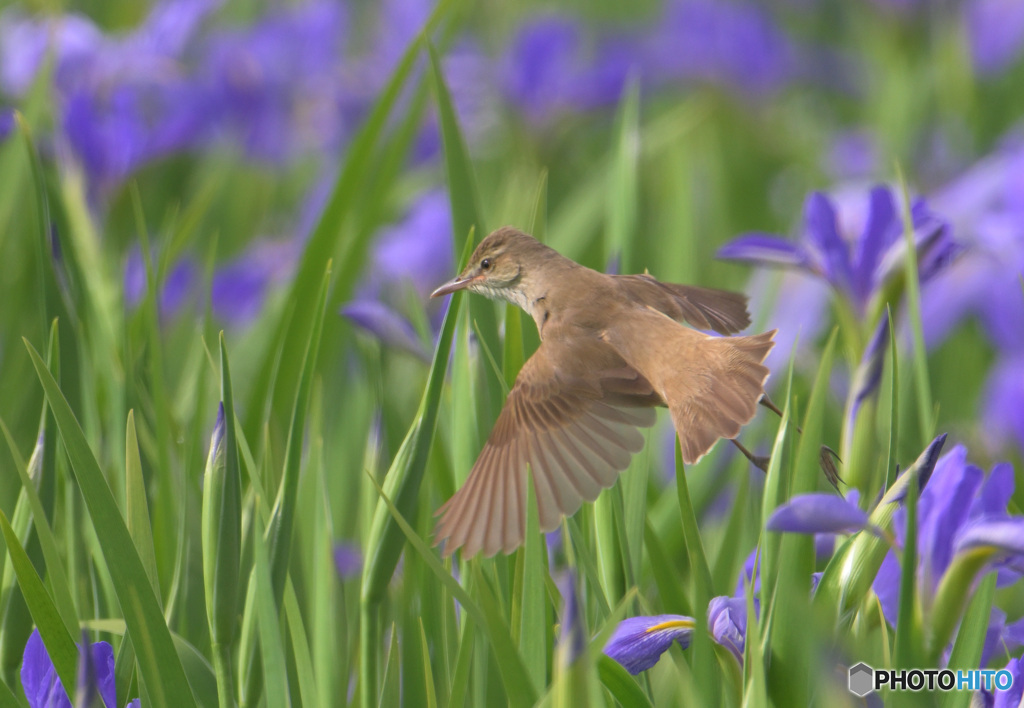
(229, 121)
(193, 148)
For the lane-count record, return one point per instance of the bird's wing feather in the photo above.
(575, 424)
(705, 308)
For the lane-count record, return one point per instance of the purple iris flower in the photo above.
(397, 25)
(638, 642)
(43, 688)
(961, 508)
(279, 87)
(855, 262)
(727, 622)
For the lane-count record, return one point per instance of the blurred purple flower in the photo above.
(416, 252)
(1010, 698)
(126, 99)
(552, 67)
(727, 622)
(986, 205)
(87, 689)
(853, 154)
(397, 25)
(995, 30)
(857, 263)
(751, 574)
(573, 640)
(240, 287)
(817, 513)
(6, 123)
(984, 282)
(43, 688)
(348, 560)
(279, 84)
(388, 326)
(1005, 535)
(798, 304)
(179, 284)
(279, 87)
(1003, 416)
(960, 506)
(724, 43)
(638, 642)
(25, 42)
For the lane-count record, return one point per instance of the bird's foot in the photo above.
(829, 461)
(759, 461)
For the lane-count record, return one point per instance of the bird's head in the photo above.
(497, 266)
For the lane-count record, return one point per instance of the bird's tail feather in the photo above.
(711, 385)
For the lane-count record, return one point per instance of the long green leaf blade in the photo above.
(158, 662)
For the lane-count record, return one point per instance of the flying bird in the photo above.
(613, 348)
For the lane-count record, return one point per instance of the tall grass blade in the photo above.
(925, 412)
(280, 363)
(467, 214)
(789, 680)
(486, 613)
(158, 662)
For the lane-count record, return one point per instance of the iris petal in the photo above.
(638, 642)
(817, 513)
(765, 249)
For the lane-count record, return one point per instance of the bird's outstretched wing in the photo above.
(574, 424)
(705, 308)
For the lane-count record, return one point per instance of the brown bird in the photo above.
(612, 348)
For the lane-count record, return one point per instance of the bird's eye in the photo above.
(485, 264)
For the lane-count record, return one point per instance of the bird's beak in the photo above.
(457, 283)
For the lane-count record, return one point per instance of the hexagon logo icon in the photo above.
(861, 679)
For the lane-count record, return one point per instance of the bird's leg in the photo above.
(827, 457)
(767, 403)
(760, 462)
